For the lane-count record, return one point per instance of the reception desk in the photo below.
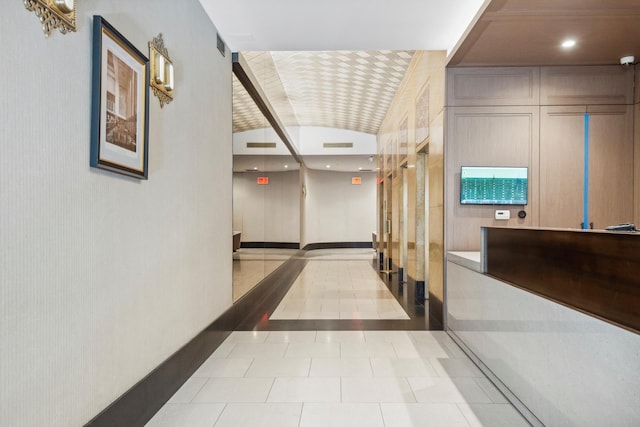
(552, 317)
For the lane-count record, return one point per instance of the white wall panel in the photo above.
(102, 276)
(568, 368)
(267, 213)
(337, 211)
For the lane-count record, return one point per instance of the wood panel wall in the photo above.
(636, 148)
(534, 117)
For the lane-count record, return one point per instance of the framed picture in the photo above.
(120, 103)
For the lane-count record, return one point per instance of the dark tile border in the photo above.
(338, 245)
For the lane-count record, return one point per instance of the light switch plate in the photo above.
(503, 214)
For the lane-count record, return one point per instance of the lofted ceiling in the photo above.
(335, 89)
(303, 86)
(332, 63)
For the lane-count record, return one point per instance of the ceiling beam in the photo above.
(248, 80)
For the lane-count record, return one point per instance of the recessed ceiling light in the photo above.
(255, 169)
(359, 169)
(568, 44)
(286, 166)
(328, 166)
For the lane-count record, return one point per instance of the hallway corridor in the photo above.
(354, 371)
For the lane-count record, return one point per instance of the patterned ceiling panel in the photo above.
(339, 89)
(246, 115)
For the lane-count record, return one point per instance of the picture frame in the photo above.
(120, 103)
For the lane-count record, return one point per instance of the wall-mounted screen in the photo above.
(489, 185)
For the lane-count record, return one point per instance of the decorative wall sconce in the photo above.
(60, 14)
(161, 71)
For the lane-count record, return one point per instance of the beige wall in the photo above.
(103, 277)
(407, 129)
(534, 117)
(335, 210)
(267, 213)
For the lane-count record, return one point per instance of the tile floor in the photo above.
(337, 378)
(329, 288)
(340, 378)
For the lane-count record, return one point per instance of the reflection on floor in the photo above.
(339, 286)
(321, 376)
(250, 266)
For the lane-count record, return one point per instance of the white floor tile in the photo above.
(388, 336)
(290, 390)
(318, 349)
(392, 367)
(189, 389)
(456, 367)
(271, 368)
(260, 415)
(344, 367)
(447, 390)
(291, 336)
(186, 414)
(375, 349)
(218, 390)
(340, 336)
(374, 390)
(223, 350)
(247, 336)
(422, 414)
(341, 415)
(258, 350)
(431, 350)
(220, 368)
(495, 415)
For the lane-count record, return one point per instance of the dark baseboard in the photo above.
(270, 245)
(338, 245)
(140, 403)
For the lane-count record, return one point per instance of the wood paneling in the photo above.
(636, 169)
(610, 165)
(488, 136)
(492, 86)
(591, 271)
(561, 162)
(586, 85)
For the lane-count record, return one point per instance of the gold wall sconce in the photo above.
(60, 14)
(161, 71)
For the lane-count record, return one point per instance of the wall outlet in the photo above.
(503, 214)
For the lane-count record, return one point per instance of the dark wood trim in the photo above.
(595, 272)
(271, 245)
(338, 245)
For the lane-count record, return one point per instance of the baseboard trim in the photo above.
(338, 245)
(270, 245)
